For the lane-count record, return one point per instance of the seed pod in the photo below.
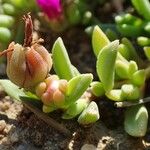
(29, 64)
(26, 67)
(89, 115)
(136, 120)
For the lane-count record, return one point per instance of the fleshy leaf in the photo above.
(12, 90)
(89, 115)
(61, 61)
(142, 6)
(114, 95)
(75, 108)
(97, 89)
(99, 40)
(77, 86)
(136, 119)
(106, 64)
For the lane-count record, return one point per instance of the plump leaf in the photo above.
(97, 89)
(106, 64)
(136, 119)
(99, 40)
(142, 6)
(12, 90)
(114, 95)
(89, 115)
(61, 61)
(139, 77)
(75, 108)
(77, 86)
(147, 52)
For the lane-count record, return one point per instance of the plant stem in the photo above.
(129, 104)
(51, 122)
(147, 72)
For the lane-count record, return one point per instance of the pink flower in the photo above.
(52, 8)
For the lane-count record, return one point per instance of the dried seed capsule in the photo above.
(26, 67)
(29, 64)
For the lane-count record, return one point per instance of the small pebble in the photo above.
(14, 137)
(2, 125)
(88, 147)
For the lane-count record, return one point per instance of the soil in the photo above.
(21, 129)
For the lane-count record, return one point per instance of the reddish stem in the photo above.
(5, 52)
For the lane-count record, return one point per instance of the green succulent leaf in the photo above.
(99, 40)
(139, 77)
(132, 68)
(5, 35)
(142, 6)
(97, 88)
(114, 95)
(77, 86)
(89, 115)
(6, 21)
(61, 61)
(136, 119)
(130, 92)
(132, 52)
(12, 90)
(75, 109)
(147, 52)
(121, 69)
(106, 64)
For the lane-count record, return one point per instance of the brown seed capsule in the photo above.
(29, 64)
